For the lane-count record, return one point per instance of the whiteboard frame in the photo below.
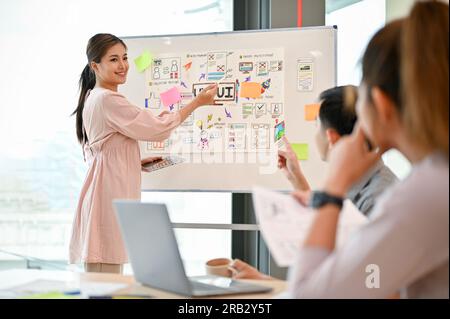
(286, 187)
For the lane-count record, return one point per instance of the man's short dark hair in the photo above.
(337, 109)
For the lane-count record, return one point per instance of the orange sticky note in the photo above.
(250, 89)
(311, 111)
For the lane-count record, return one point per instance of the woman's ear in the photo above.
(94, 67)
(384, 105)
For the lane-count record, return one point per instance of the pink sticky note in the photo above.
(171, 96)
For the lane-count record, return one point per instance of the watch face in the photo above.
(316, 200)
(320, 199)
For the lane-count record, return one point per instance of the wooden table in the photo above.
(16, 277)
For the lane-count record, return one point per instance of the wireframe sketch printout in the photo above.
(248, 115)
(285, 223)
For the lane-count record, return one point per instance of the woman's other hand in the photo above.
(242, 270)
(148, 160)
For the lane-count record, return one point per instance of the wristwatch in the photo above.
(319, 199)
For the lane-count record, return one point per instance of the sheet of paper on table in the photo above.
(55, 289)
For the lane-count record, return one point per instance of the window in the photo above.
(198, 245)
(41, 164)
(355, 30)
(354, 33)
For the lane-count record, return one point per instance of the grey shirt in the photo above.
(364, 193)
(406, 238)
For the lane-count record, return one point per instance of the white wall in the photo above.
(397, 8)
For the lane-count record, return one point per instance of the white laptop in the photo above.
(155, 259)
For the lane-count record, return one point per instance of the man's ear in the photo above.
(332, 136)
(383, 104)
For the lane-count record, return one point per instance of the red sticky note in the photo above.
(311, 111)
(250, 90)
(171, 96)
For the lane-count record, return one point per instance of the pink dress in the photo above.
(113, 126)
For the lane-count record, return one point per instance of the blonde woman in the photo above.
(403, 105)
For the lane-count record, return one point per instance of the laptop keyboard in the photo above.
(198, 286)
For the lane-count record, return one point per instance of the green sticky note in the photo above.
(301, 150)
(143, 61)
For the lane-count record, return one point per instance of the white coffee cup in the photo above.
(219, 267)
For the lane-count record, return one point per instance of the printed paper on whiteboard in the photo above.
(305, 75)
(248, 105)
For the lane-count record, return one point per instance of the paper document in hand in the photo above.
(284, 223)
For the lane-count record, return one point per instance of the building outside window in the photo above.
(41, 164)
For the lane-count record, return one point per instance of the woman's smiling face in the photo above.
(113, 67)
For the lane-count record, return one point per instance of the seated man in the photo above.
(337, 117)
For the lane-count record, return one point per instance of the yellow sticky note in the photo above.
(311, 112)
(301, 150)
(250, 89)
(143, 61)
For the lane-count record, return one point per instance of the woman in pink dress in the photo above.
(108, 128)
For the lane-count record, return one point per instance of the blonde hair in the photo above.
(424, 74)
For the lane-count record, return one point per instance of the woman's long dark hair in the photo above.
(96, 49)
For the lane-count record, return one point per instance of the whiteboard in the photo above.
(239, 171)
